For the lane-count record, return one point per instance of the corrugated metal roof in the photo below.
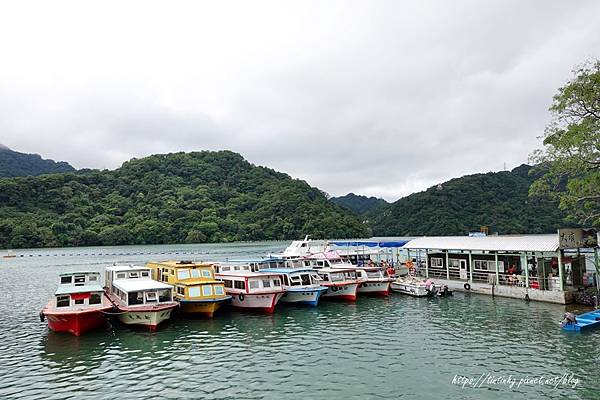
(494, 243)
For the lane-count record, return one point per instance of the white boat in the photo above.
(374, 281)
(302, 286)
(139, 299)
(340, 283)
(250, 290)
(413, 286)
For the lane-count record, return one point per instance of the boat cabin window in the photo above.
(219, 290)
(63, 301)
(164, 295)
(194, 291)
(135, 274)
(286, 280)
(151, 297)
(374, 274)
(266, 283)
(253, 284)
(227, 283)
(195, 273)
(145, 274)
(66, 279)
(93, 278)
(121, 275)
(276, 282)
(79, 280)
(206, 290)
(183, 274)
(79, 301)
(239, 285)
(437, 262)
(305, 279)
(237, 268)
(307, 263)
(206, 273)
(95, 298)
(225, 269)
(180, 290)
(325, 277)
(320, 263)
(295, 280)
(135, 298)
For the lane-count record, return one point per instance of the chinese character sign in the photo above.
(577, 238)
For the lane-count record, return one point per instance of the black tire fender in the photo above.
(467, 286)
(241, 296)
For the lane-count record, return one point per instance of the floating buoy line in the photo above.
(139, 253)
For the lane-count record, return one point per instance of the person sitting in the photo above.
(512, 270)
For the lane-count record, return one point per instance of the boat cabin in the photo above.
(78, 289)
(177, 271)
(296, 277)
(337, 275)
(251, 282)
(133, 286)
(330, 259)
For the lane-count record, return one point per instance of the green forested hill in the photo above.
(498, 200)
(358, 204)
(13, 163)
(174, 198)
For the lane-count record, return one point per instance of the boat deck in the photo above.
(589, 320)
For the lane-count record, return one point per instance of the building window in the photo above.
(437, 262)
(63, 301)
(95, 298)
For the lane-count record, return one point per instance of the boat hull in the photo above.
(308, 296)
(263, 302)
(146, 318)
(203, 308)
(410, 289)
(374, 288)
(341, 292)
(76, 323)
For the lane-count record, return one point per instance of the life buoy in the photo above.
(467, 287)
(241, 297)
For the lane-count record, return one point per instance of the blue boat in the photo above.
(301, 285)
(578, 323)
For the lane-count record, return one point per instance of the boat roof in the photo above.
(326, 255)
(70, 289)
(541, 243)
(116, 268)
(79, 273)
(245, 273)
(330, 270)
(182, 264)
(287, 270)
(132, 285)
(369, 243)
(255, 260)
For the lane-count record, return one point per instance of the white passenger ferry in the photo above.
(139, 299)
(340, 283)
(302, 286)
(258, 291)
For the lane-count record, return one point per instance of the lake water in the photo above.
(393, 348)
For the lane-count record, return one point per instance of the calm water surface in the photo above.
(395, 348)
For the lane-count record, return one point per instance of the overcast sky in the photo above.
(374, 97)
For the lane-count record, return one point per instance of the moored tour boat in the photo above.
(413, 286)
(251, 290)
(374, 281)
(302, 286)
(9, 254)
(340, 283)
(196, 289)
(79, 304)
(139, 299)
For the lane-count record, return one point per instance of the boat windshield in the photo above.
(337, 277)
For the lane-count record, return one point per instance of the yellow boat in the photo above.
(196, 288)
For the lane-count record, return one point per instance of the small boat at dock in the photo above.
(139, 299)
(413, 286)
(9, 254)
(79, 304)
(302, 286)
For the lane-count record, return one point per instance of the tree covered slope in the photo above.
(358, 204)
(173, 198)
(498, 200)
(13, 163)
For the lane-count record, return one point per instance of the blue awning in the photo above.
(397, 243)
